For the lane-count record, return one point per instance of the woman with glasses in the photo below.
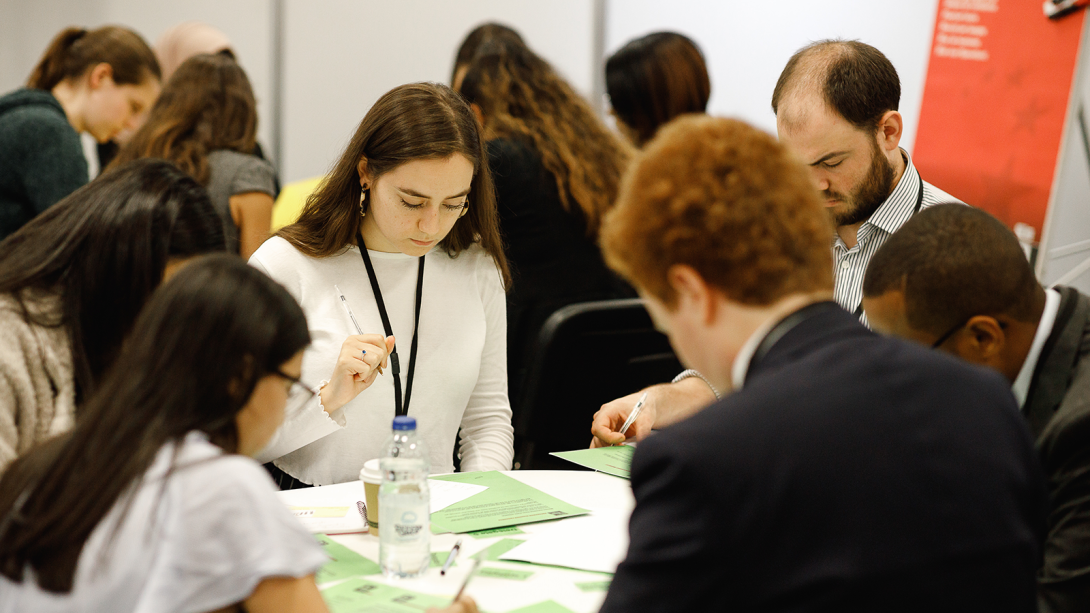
(397, 262)
(150, 503)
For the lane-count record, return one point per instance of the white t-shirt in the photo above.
(461, 363)
(202, 542)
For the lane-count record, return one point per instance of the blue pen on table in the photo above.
(634, 414)
(348, 309)
(450, 558)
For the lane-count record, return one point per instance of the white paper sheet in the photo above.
(446, 493)
(566, 543)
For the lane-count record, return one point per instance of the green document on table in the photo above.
(506, 502)
(362, 596)
(497, 549)
(343, 562)
(616, 461)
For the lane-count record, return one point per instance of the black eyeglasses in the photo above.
(299, 395)
(952, 331)
(949, 333)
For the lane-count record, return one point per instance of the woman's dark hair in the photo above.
(74, 51)
(206, 105)
(102, 251)
(655, 78)
(486, 32)
(197, 351)
(521, 96)
(418, 121)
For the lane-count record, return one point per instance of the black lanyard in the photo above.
(916, 209)
(399, 409)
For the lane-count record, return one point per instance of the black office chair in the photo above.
(586, 355)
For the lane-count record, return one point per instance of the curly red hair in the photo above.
(727, 200)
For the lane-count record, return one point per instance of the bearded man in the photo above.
(836, 109)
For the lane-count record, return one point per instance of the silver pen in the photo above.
(348, 309)
(634, 414)
(473, 571)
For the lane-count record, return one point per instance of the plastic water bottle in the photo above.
(404, 503)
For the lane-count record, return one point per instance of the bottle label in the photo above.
(410, 525)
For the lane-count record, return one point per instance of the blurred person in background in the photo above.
(205, 121)
(557, 168)
(97, 81)
(653, 79)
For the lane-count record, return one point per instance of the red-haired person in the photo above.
(847, 471)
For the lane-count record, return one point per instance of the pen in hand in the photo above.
(634, 414)
(450, 558)
(348, 309)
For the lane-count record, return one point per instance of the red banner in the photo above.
(994, 103)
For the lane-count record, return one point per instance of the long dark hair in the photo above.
(75, 50)
(197, 351)
(655, 78)
(418, 121)
(206, 105)
(103, 250)
(478, 36)
(522, 96)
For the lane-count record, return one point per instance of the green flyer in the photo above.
(616, 461)
(343, 562)
(506, 502)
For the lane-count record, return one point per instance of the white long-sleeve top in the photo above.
(461, 362)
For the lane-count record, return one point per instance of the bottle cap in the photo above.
(404, 422)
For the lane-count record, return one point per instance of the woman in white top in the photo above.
(150, 503)
(413, 188)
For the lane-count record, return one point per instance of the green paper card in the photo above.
(361, 595)
(616, 461)
(483, 534)
(506, 502)
(594, 586)
(343, 562)
(549, 606)
(505, 573)
(497, 549)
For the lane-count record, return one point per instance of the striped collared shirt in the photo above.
(851, 264)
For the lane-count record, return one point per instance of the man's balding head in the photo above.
(853, 79)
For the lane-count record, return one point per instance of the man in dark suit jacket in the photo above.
(846, 471)
(956, 278)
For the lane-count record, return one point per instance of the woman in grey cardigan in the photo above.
(73, 280)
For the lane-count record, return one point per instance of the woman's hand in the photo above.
(362, 359)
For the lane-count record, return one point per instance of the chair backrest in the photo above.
(586, 355)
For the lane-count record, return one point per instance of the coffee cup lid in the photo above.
(370, 473)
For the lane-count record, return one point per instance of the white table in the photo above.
(598, 492)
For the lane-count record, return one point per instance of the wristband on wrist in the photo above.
(693, 373)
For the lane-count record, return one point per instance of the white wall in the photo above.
(27, 26)
(340, 56)
(746, 43)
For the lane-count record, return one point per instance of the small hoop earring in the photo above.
(363, 198)
(465, 209)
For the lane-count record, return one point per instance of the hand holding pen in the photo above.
(361, 360)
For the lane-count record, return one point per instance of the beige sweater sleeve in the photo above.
(37, 389)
